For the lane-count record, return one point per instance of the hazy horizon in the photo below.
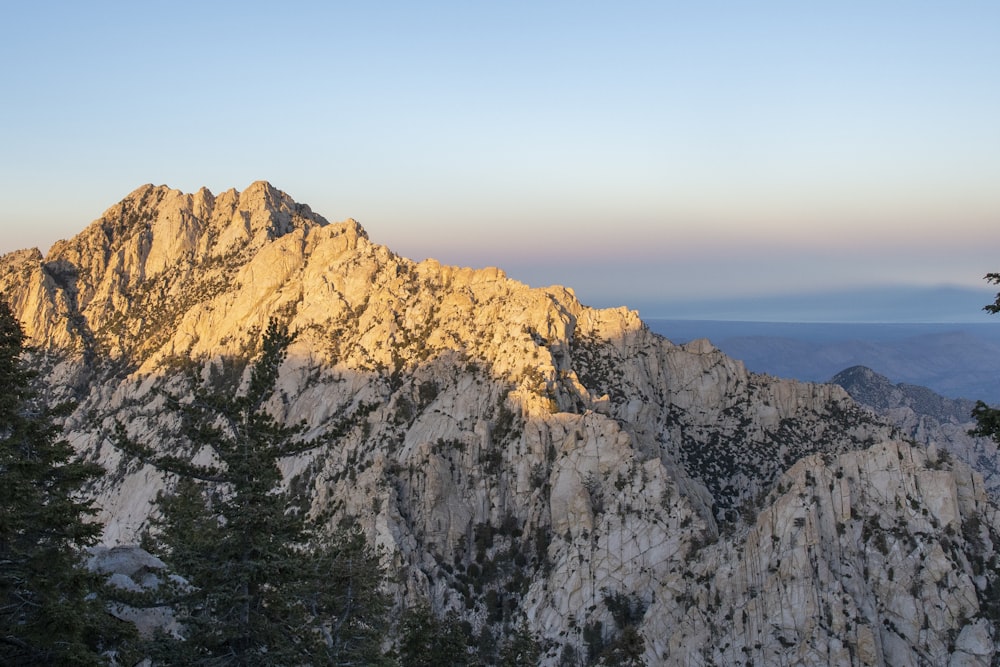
(877, 305)
(662, 155)
(865, 304)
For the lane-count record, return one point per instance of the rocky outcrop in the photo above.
(519, 455)
(132, 571)
(866, 558)
(143, 264)
(927, 418)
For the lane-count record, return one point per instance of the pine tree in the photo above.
(626, 650)
(429, 641)
(48, 613)
(520, 648)
(262, 585)
(988, 418)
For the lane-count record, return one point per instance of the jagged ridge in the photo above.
(518, 454)
(926, 417)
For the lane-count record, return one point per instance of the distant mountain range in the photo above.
(954, 360)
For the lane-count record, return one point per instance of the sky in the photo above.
(660, 155)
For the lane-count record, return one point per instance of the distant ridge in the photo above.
(954, 360)
(877, 391)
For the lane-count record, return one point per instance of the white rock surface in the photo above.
(527, 457)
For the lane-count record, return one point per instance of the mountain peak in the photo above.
(263, 189)
(517, 454)
(149, 248)
(878, 392)
(154, 218)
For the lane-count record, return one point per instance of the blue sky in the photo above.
(647, 153)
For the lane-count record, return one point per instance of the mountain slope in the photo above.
(519, 455)
(927, 418)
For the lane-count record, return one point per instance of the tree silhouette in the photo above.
(49, 611)
(988, 418)
(262, 584)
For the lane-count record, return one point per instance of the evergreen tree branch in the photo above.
(165, 462)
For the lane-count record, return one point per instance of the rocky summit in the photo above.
(521, 457)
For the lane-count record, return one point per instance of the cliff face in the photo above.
(520, 455)
(926, 417)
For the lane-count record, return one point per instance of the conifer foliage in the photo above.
(262, 585)
(988, 418)
(48, 613)
(429, 641)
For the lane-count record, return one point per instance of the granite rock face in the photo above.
(521, 456)
(928, 418)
